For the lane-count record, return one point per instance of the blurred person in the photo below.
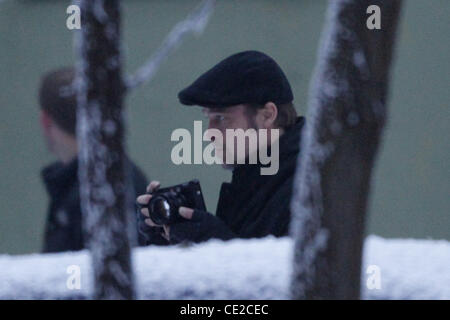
(64, 225)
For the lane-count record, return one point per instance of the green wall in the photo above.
(412, 179)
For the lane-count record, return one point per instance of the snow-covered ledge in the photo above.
(239, 269)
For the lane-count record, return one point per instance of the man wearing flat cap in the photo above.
(247, 90)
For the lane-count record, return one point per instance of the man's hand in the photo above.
(144, 199)
(199, 225)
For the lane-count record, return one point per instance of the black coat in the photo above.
(63, 230)
(252, 205)
(255, 205)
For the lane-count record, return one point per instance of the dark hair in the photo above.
(287, 115)
(57, 97)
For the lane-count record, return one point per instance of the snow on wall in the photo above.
(239, 269)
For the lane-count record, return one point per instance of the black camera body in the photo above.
(164, 204)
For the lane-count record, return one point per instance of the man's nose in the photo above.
(211, 126)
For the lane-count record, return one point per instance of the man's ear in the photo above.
(46, 122)
(269, 113)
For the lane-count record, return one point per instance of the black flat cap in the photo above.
(245, 77)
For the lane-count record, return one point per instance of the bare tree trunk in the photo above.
(100, 133)
(347, 112)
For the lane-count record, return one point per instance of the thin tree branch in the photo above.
(195, 23)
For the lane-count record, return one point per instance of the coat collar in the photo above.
(58, 177)
(289, 145)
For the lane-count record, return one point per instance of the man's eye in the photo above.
(220, 118)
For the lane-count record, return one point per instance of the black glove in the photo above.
(149, 235)
(201, 227)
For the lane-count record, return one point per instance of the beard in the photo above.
(251, 124)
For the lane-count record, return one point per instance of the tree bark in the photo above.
(346, 116)
(102, 166)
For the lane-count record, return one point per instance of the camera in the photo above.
(164, 204)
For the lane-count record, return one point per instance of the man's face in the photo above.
(63, 145)
(234, 117)
(46, 127)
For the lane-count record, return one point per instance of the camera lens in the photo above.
(163, 207)
(160, 210)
